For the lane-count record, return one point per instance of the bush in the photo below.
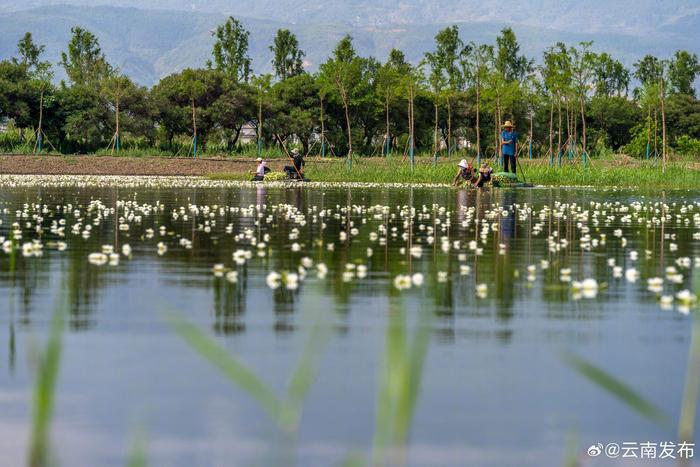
(688, 146)
(637, 147)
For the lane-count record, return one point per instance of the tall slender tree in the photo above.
(230, 51)
(288, 58)
(84, 62)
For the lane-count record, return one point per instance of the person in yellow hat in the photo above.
(509, 146)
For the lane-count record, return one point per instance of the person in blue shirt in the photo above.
(509, 146)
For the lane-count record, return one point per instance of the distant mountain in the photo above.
(149, 44)
(639, 17)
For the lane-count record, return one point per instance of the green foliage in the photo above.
(683, 69)
(231, 50)
(688, 146)
(84, 62)
(288, 59)
(462, 91)
(611, 76)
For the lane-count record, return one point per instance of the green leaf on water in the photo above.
(615, 387)
(236, 371)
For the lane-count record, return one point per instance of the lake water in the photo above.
(495, 388)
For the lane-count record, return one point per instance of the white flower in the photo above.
(402, 282)
(417, 279)
(361, 271)
(98, 259)
(126, 249)
(307, 262)
(442, 276)
(686, 297)
(232, 276)
(416, 251)
(482, 290)
(162, 248)
(632, 275)
(273, 280)
(291, 280)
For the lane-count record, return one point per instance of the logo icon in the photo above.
(595, 450)
(612, 450)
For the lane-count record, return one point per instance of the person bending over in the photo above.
(484, 175)
(465, 173)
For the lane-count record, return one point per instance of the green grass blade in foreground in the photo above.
(392, 378)
(615, 387)
(416, 361)
(686, 422)
(238, 373)
(306, 370)
(138, 456)
(44, 392)
(399, 385)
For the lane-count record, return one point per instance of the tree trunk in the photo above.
(529, 150)
(478, 125)
(387, 140)
(449, 127)
(551, 131)
(435, 134)
(656, 133)
(260, 124)
(584, 142)
(498, 125)
(663, 124)
(648, 132)
(39, 131)
(344, 95)
(323, 131)
(559, 128)
(116, 134)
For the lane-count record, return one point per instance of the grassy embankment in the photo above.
(610, 172)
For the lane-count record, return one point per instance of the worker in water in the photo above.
(260, 170)
(485, 172)
(465, 173)
(509, 146)
(296, 170)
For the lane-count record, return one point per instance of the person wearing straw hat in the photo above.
(465, 173)
(509, 146)
(297, 169)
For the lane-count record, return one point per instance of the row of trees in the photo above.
(574, 102)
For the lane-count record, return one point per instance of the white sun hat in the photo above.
(463, 163)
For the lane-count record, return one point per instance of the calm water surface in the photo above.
(495, 390)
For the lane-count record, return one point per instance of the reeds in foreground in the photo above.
(44, 392)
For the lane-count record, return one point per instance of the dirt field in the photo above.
(104, 165)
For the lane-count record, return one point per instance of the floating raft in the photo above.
(508, 180)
